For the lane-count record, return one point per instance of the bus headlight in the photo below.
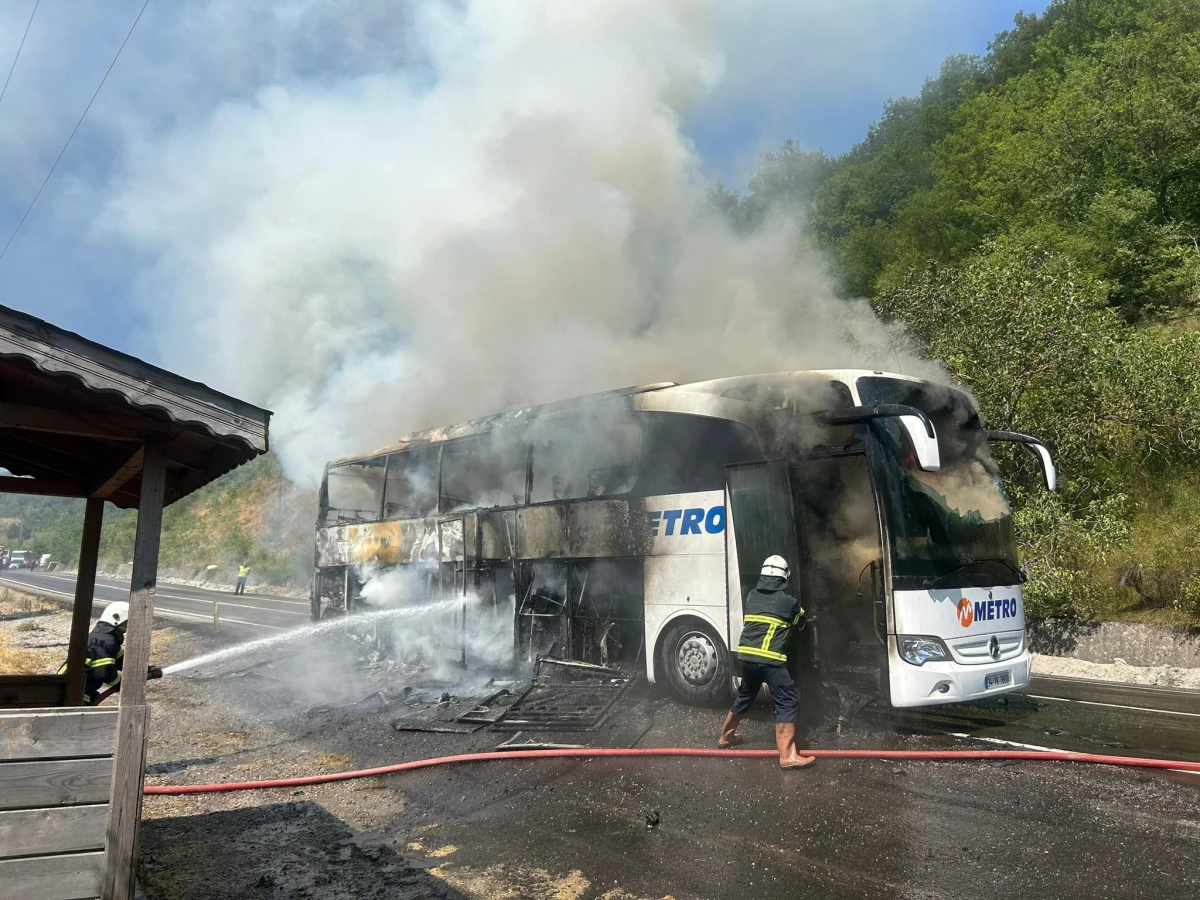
(919, 649)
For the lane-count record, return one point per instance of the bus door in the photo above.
(841, 576)
(763, 523)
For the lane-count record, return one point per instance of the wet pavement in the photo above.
(656, 828)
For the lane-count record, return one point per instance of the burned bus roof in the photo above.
(714, 388)
(508, 418)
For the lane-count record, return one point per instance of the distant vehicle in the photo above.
(20, 559)
(626, 529)
(45, 558)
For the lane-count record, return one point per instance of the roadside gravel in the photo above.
(1165, 676)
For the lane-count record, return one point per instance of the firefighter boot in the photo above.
(729, 733)
(785, 739)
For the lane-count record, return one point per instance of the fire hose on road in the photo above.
(1019, 755)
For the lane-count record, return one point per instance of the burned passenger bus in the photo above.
(626, 528)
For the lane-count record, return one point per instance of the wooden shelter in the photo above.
(78, 419)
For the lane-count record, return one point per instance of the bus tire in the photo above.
(696, 664)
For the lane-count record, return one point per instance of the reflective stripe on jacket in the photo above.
(770, 615)
(104, 660)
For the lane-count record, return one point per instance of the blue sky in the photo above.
(180, 167)
(821, 73)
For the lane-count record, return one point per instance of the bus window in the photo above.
(790, 429)
(794, 397)
(483, 472)
(684, 453)
(412, 479)
(353, 492)
(584, 456)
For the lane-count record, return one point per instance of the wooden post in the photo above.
(85, 586)
(129, 769)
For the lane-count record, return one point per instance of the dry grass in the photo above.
(18, 661)
(17, 601)
(160, 639)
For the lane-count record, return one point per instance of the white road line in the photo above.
(164, 594)
(187, 615)
(27, 586)
(278, 612)
(1161, 712)
(1004, 743)
(117, 585)
(158, 611)
(48, 575)
(265, 597)
(972, 737)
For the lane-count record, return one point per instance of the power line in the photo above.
(75, 129)
(4, 90)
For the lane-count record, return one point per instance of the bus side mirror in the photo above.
(1040, 450)
(924, 445)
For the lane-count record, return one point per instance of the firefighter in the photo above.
(106, 655)
(770, 615)
(243, 574)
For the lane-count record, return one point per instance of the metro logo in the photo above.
(987, 610)
(966, 615)
(689, 521)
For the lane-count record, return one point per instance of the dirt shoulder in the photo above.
(35, 634)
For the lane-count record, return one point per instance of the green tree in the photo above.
(1043, 352)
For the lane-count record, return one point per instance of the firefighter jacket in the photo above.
(769, 617)
(104, 661)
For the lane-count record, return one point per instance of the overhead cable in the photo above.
(8, 243)
(20, 47)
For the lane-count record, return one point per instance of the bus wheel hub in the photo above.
(697, 658)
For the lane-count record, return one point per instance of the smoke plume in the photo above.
(511, 215)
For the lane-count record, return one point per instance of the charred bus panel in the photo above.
(625, 530)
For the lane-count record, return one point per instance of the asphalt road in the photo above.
(253, 613)
(262, 614)
(695, 829)
(567, 828)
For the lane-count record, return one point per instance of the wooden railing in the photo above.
(32, 691)
(56, 770)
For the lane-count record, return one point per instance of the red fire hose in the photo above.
(1024, 755)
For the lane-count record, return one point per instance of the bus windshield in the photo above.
(950, 528)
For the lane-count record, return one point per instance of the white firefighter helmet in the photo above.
(777, 566)
(116, 613)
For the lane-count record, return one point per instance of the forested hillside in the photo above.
(1033, 217)
(252, 514)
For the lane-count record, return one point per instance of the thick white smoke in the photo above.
(516, 219)
(470, 630)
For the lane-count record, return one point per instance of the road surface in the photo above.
(567, 828)
(258, 613)
(263, 614)
(608, 829)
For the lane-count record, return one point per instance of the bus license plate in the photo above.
(997, 679)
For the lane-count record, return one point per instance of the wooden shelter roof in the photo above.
(75, 415)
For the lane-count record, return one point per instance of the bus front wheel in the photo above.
(696, 664)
